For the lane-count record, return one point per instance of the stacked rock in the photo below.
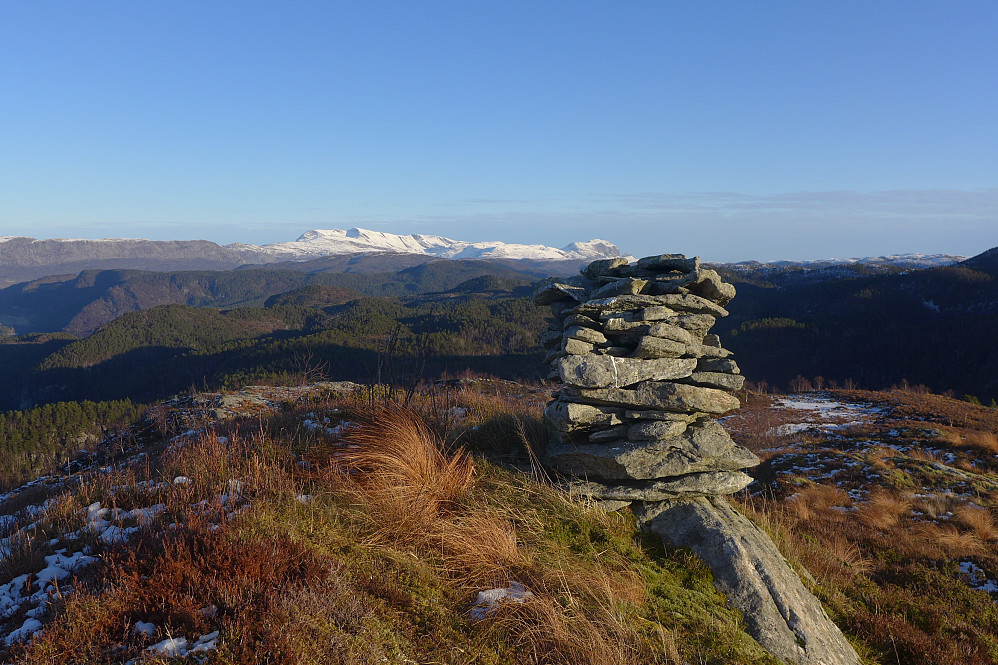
(644, 379)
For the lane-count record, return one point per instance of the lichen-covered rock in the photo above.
(659, 347)
(714, 380)
(657, 395)
(634, 427)
(586, 335)
(711, 483)
(669, 263)
(704, 446)
(592, 371)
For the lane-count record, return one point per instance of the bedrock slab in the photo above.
(779, 611)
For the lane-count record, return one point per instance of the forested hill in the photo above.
(82, 303)
(485, 325)
(934, 327)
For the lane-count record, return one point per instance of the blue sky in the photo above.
(731, 130)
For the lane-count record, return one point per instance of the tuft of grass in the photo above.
(883, 509)
(978, 520)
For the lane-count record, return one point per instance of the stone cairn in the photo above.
(643, 380)
(634, 426)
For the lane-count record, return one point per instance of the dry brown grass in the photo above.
(984, 441)
(947, 538)
(978, 520)
(395, 467)
(937, 505)
(883, 509)
(851, 556)
(480, 549)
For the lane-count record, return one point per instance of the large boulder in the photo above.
(779, 611)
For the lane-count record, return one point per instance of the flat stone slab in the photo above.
(716, 380)
(711, 483)
(593, 371)
(703, 446)
(571, 416)
(660, 395)
(779, 611)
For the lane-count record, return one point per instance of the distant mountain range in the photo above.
(23, 259)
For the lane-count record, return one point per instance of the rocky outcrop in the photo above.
(633, 425)
(779, 611)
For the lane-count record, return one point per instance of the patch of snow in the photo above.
(488, 601)
(146, 628)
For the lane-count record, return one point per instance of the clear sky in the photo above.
(732, 130)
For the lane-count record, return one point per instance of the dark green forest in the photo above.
(39, 440)
(484, 326)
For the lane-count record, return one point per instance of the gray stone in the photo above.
(702, 351)
(584, 321)
(604, 267)
(576, 347)
(655, 430)
(625, 303)
(692, 303)
(618, 325)
(727, 366)
(570, 416)
(654, 313)
(668, 262)
(667, 330)
(704, 446)
(618, 287)
(715, 380)
(665, 286)
(610, 505)
(617, 351)
(696, 324)
(710, 483)
(652, 414)
(657, 395)
(554, 289)
(602, 371)
(710, 286)
(779, 611)
(612, 434)
(586, 335)
(711, 340)
(657, 347)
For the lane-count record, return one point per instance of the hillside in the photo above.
(930, 326)
(243, 541)
(482, 325)
(887, 500)
(81, 304)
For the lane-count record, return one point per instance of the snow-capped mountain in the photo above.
(318, 243)
(24, 259)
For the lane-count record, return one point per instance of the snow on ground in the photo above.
(488, 601)
(818, 411)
